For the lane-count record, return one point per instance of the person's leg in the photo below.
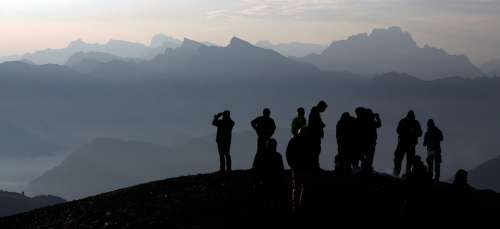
(410, 155)
(315, 145)
(227, 155)
(430, 163)
(438, 161)
(370, 154)
(294, 191)
(221, 157)
(398, 159)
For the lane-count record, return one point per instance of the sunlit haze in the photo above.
(470, 27)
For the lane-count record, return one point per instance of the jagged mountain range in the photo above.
(391, 50)
(381, 51)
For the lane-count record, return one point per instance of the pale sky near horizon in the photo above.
(470, 27)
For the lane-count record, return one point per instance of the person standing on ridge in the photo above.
(316, 131)
(432, 140)
(299, 122)
(346, 127)
(409, 130)
(265, 127)
(299, 159)
(373, 123)
(223, 139)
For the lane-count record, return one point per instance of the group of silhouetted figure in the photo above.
(356, 141)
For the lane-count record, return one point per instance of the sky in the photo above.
(470, 27)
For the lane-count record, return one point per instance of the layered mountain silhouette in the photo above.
(238, 200)
(239, 58)
(485, 176)
(296, 49)
(492, 67)
(14, 203)
(119, 48)
(86, 62)
(391, 50)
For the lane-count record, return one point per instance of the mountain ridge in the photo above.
(391, 50)
(237, 200)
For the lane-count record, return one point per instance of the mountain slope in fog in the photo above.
(105, 165)
(391, 50)
(485, 176)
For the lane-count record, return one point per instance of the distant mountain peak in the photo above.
(191, 44)
(161, 40)
(237, 42)
(391, 50)
(77, 43)
(394, 35)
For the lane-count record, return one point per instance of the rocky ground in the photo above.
(240, 200)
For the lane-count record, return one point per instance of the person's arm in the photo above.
(216, 120)
(254, 123)
(400, 128)
(273, 129)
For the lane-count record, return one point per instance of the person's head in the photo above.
(359, 111)
(266, 112)
(430, 123)
(461, 178)
(226, 114)
(272, 145)
(322, 106)
(369, 112)
(411, 115)
(301, 112)
(345, 116)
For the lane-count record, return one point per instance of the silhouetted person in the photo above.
(367, 124)
(264, 126)
(432, 140)
(300, 160)
(224, 132)
(299, 122)
(271, 184)
(419, 172)
(409, 130)
(270, 163)
(315, 130)
(461, 180)
(346, 134)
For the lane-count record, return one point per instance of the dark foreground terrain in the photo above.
(237, 201)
